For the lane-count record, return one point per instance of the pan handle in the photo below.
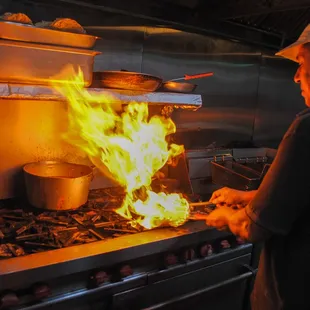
(197, 76)
(95, 171)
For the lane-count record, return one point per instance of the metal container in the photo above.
(30, 33)
(178, 87)
(236, 176)
(29, 63)
(53, 185)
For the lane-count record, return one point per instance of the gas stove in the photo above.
(62, 259)
(91, 258)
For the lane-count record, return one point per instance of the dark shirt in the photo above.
(281, 207)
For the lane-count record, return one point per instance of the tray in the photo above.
(29, 63)
(29, 33)
(234, 175)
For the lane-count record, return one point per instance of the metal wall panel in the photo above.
(121, 48)
(278, 100)
(229, 97)
(30, 131)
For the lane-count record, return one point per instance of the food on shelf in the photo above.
(67, 24)
(16, 17)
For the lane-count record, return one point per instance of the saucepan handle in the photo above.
(197, 76)
(95, 170)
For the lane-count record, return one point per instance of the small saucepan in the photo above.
(176, 87)
(183, 87)
(54, 185)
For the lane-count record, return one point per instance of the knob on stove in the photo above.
(206, 250)
(171, 259)
(239, 241)
(41, 290)
(125, 271)
(8, 299)
(99, 278)
(225, 244)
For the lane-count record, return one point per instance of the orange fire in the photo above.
(129, 147)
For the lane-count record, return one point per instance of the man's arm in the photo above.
(241, 225)
(229, 196)
(249, 196)
(284, 192)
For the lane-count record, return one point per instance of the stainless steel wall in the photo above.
(229, 97)
(251, 99)
(121, 47)
(30, 131)
(278, 100)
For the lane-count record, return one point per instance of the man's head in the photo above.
(300, 53)
(302, 75)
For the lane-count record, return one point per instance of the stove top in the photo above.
(25, 230)
(36, 244)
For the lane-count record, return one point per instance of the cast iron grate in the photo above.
(25, 230)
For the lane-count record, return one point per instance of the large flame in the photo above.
(130, 147)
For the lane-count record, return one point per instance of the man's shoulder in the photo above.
(304, 112)
(301, 124)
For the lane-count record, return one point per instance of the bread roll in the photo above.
(17, 17)
(67, 24)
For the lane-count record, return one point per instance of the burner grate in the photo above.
(24, 230)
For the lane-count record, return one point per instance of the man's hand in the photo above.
(239, 224)
(232, 197)
(219, 218)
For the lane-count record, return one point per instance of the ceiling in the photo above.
(268, 23)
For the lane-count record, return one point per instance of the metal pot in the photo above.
(54, 185)
(177, 87)
(183, 87)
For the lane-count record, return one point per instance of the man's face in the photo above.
(302, 75)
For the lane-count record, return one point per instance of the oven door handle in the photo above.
(250, 268)
(247, 275)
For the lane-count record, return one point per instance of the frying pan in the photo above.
(126, 80)
(143, 82)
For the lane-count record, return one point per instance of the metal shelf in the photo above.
(36, 92)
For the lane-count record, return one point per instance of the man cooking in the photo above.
(278, 213)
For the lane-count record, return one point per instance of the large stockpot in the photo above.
(54, 185)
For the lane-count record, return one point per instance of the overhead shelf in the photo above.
(30, 92)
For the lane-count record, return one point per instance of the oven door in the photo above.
(221, 286)
(222, 296)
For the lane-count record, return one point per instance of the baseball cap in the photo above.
(291, 51)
